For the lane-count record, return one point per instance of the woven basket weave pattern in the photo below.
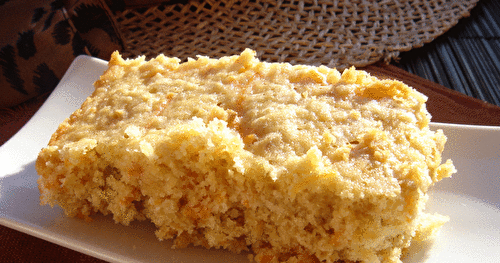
(337, 33)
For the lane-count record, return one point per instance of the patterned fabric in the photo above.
(40, 39)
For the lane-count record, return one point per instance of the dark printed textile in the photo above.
(39, 40)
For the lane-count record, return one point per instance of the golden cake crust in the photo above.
(298, 163)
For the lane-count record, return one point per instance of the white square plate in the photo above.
(471, 198)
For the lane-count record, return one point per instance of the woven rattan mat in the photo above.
(337, 33)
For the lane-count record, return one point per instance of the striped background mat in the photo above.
(466, 58)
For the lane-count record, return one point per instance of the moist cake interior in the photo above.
(295, 163)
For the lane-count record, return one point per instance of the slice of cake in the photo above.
(296, 163)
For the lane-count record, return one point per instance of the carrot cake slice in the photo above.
(295, 163)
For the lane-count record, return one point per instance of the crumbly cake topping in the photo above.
(233, 152)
